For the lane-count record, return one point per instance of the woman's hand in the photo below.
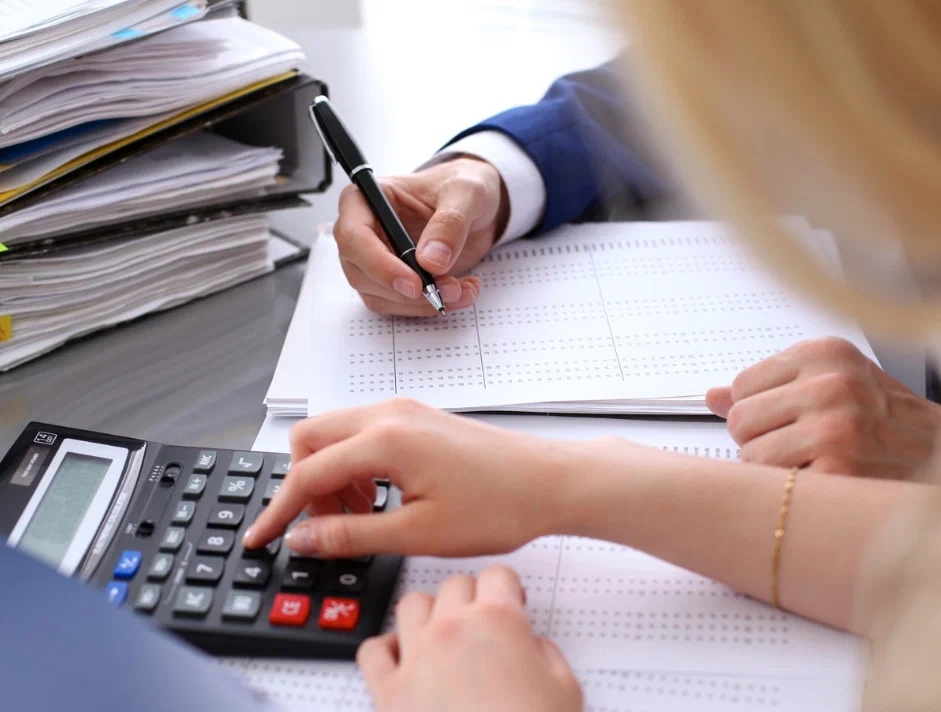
(467, 488)
(470, 648)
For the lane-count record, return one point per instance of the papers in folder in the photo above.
(192, 170)
(167, 72)
(611, 318)
(36, 33)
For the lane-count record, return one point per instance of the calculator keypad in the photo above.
(247, 463)
(195, 486)
(236, 489)
(216, 541)
(183, 514)
(161, 567)
(290, 610)
(252, 573)
(299, 576)
(172, 539)
(242, 605)
(205, 569)
(190, 572)
(148, 597)
(229, 516)
(193, 601)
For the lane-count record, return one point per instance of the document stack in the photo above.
(143, 144)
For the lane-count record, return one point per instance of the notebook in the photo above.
(597, 318)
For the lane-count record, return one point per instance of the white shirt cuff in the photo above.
(524, 185)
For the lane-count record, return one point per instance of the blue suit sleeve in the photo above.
(576, 136)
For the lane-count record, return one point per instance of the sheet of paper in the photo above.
(591, 317)
(640, 633)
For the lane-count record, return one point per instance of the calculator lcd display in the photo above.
(63, 507)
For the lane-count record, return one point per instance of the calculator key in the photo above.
(127, 565)
(252, 573)
(227, 515)
(299, 576)
(348, 582)
(193, 601)
(237, 489)
(289, 609)
(382, 498)
(246, 463)
(216, 541)
(173, 538)
(195, 486)
(205, 569)
(183, 514)
(161, 567)
(116, 592)
(147, 598)
(339, 613)
(282, 464)
(269, 551)
(205, 461)
(271, 490)
(242, 605)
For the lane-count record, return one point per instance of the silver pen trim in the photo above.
(364, 167)
(434, 297)
(313, 120)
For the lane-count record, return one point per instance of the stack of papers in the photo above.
(36, 33)
(167, 72)
(53, 299)
(193, 170)
(639, 318)
(108, 248)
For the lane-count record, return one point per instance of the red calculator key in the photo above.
(289, 609)
(339, 613)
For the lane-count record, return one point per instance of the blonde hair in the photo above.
(820, 104)
(832, 107)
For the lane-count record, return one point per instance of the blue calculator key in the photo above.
(116, 592)
(127, 565)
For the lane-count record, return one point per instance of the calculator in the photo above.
(157, 528)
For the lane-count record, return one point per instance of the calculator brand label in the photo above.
(30, 466)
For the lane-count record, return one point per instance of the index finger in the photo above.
(324, 473)
(774, 371)
(501, 584)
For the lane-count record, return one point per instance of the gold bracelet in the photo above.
(779, 535)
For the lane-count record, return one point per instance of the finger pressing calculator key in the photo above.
(158, 529)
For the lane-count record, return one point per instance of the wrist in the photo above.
(599, 482)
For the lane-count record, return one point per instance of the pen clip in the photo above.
(323, 139)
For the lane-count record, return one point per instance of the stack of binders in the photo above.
(143, 145)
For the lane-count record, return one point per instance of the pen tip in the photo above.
(441, 309)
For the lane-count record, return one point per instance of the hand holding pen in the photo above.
(457, 207)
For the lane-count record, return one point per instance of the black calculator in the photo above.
(157, 528)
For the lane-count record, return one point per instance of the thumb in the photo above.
(443, 238)
(557, 662)
(719, 400)
(343, 536)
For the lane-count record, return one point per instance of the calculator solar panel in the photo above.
(166, 543)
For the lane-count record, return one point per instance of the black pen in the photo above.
(343, 150)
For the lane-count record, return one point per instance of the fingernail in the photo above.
(450, 292)
(247, 540)
(405, 288)
(437, 254)
(474, 288)
(301, 538)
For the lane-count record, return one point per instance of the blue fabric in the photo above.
(574, 134)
